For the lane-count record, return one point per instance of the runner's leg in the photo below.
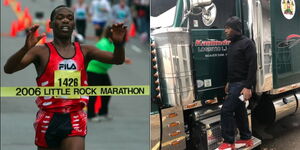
(73, 143)
(40, 148)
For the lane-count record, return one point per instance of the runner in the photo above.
(100, 10)
(60, 122)
(81, 14)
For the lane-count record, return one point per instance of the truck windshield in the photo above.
(162, 13)
(160, 6)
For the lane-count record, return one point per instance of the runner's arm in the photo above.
(26, 55)
(20, 60)
(118, 32)
(107, 57)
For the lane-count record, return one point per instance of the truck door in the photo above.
(209, 49)
(285, 29)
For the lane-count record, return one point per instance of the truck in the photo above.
(189, 68)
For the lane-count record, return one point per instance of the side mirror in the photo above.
(200, 3)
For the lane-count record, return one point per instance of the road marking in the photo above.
(135, 48)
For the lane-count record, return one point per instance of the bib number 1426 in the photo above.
(67, 78)
(68, 82)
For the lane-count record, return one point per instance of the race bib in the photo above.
(67, 78)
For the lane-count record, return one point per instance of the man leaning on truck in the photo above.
(242, 67)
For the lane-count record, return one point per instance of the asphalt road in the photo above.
(283, 134)
(129, 129)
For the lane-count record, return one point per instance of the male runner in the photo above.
(60, 123)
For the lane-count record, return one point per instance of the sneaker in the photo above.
(95, 119)
(108, 117)
(248, 143)
(226, 146)
(105, 117)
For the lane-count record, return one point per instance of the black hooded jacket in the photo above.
(241, 61)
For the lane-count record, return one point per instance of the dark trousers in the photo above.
(68, 3)
(234, 114)
(81, 26)
(95, 79)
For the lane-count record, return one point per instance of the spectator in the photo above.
(142, 8)
(98, 76)
(68, 3)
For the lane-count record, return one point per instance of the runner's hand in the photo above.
(32, 40)
(118, 33)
